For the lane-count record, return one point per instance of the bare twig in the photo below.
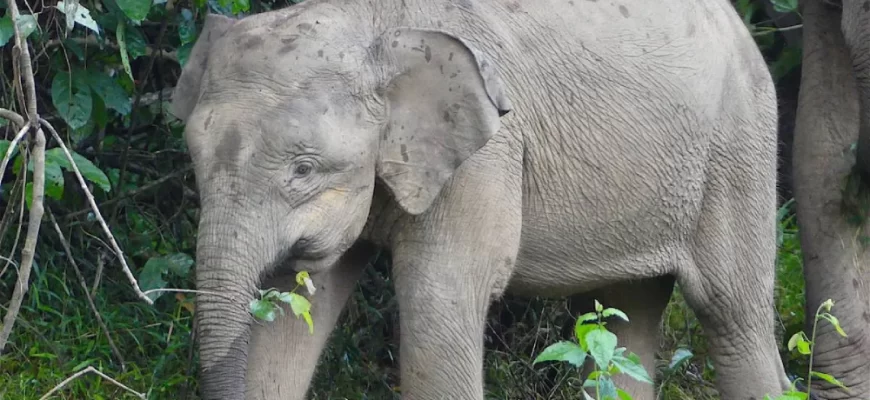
(12, 146)
(20, 219)
(161, 290)
(84, 285)
(134, 193)
(101, 262)
(97, 213)
(13, 116)
(29, 249)
(95, 371)
(90, 40)
(24, 73)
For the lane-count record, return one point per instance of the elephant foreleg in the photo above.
(283, 354)
(448, 263)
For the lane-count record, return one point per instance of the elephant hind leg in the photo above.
(643, 301)
(729, 281)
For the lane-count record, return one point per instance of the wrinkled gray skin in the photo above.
(544, 147)
(834, 106)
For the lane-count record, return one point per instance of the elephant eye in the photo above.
(303, 169)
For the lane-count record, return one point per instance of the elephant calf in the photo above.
(543, 147)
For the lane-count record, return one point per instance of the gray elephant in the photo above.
(540, 147)
(833, 114)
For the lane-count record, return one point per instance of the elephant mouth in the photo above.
(302, 256)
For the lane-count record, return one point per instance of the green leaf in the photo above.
(108, 89)
(26, 23)
(680, 357)
(28, 194)
(80, 15)
(179, 264)
(183, 53)
(186, 27)
(240, 6)
(632, 368)
(606, 388)
(4, 147)
(299, 304)
(262, 310)
(121, 37)
(800, 341)
(151, 277)
(608, 312)
(91, 172)
(563, 351)
(6, 30)
(785, 6)
(835, 322)
(601, 344)
(136, 43)
(71, 95)
(590, 316)
(623, 395)
(580, 332)
(53, 180)
(828, 378)
(99, 118)
(136, 10)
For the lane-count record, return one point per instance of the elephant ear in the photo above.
(187, 90)
(444, 100)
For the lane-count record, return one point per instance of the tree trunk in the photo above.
(835, 261)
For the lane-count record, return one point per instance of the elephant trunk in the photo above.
(228, 277)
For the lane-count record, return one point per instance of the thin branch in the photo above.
(194, 291)
(24, 73)
(33, 224)
(84, 285)
(26, 69)
(12, 146)
(95, 371)
(101, 261)
(23, 179)
(134, 193)
(90, 40)
(97, 213)
(13, 116)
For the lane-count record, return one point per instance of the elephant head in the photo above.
(291, 118)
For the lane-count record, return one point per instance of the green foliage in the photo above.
(804, 345)
(595, 341)
(267, 306)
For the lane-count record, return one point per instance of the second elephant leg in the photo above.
(644, 302)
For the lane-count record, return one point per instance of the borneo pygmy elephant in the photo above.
(540, 147)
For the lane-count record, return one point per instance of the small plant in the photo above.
(804, 345)
(266, 307)
(593, 339)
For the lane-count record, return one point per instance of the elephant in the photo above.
(536, 147)
(833, 115)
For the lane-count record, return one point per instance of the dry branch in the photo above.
(13, 116)
(97, 214)
(11, 148)
(24, 78)
(93, 370)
